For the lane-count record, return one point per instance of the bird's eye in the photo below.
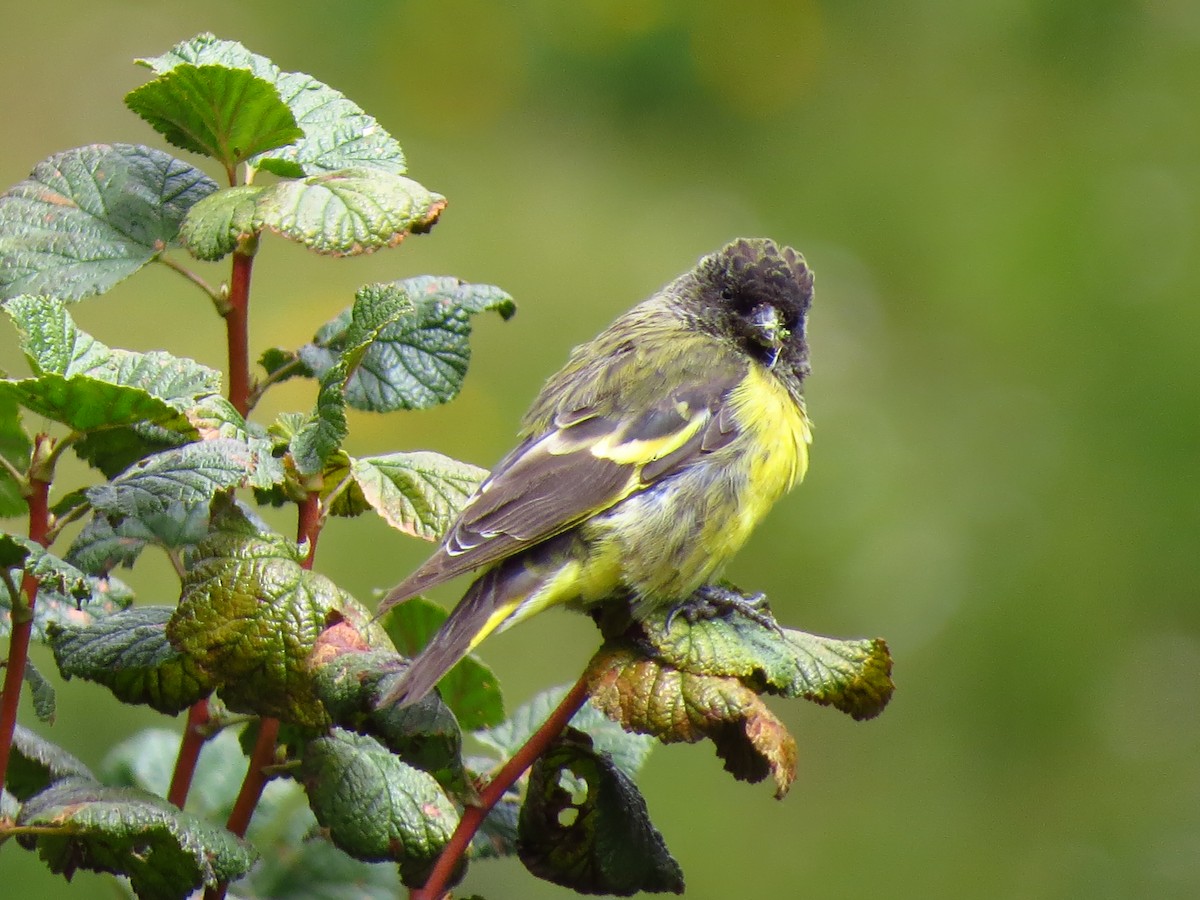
(727, 294)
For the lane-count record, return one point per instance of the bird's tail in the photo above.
(494, 600)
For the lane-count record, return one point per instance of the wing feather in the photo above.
(585, 462)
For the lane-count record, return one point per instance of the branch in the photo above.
(213, 293)
(194, 736)
(473, 816)
(237, 330)
(22, 620)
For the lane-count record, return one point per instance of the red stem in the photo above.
(473, 816)
(308, 526)
(194, 736)
(252, 788)
(22, 623)
(237, 331)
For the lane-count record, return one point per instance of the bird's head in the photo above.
(759, 293)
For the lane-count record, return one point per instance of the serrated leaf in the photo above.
(36, 763)
(420, 359)
(283, 365)
(628, 751)
(86, 385)
(470, 688)
(350, 678)
(205, 49)
(183, 477)
(853, 676)
(125, 831)
(65, 594)
(337, 133)
(350, 211)
(374, 806)
(84, 404)
(651, 697)
(129, 653)
(103, 544)
(50, 572)
(321, 434)
(15, 447)
(87, 218)
(296, 860)
(584, 825)
(41, 692)
(227, 114)
(218, 223)
(250, 615)
(53, 344)
(419, 493)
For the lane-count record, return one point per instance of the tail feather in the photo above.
(486, 605)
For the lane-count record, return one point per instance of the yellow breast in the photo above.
(778, 434)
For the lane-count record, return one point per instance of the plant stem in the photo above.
(261, 758)
(194, 736)
(308, 528)
(237, 331)
(22, 622)
(473, 816)
(195, 279)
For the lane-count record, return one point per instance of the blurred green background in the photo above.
(1000, 201)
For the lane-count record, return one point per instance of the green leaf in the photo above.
(297, 861)
(50, 572)
(350, 211)
(65, 594)
(86, 385)
(36, 763)
(337, 133)
(53, 345)
(350, 678)
(163, 850)
(374, 806)
(226, 114)
(853, 676)
(102, 545)
(218, 223)
(420, 359)
(249, 617)
(87, 218)
(419, 493)
(627, 751)
(129, 653)
(42, 693)
(584, 825)
(15, 447)
(322, 433)
(470, 688)
(174, 480)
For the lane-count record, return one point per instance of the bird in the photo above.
(642, 466)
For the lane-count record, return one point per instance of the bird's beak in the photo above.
(772, 333)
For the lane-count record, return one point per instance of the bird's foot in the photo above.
(711, 601)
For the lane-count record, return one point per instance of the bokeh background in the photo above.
(1000, 201)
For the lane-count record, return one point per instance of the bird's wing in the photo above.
(584, 463)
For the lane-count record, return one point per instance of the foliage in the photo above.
(258, 638)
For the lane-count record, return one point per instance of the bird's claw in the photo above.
(711, 601)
